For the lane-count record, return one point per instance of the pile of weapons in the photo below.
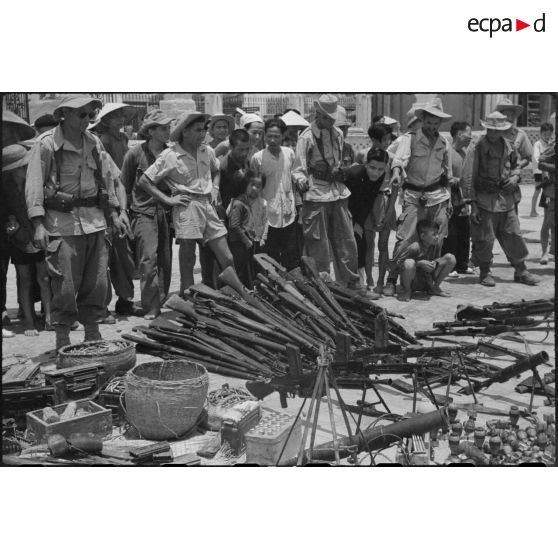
(497, 318)
(262, 333)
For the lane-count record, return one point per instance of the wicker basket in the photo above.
(165, 399)
(118, 356)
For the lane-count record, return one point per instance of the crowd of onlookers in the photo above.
(84, 213)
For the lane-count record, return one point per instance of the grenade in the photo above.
(542, 440)
(495, 445)
(531, 433)
(452, 412)
(521, 435)
(514, 415)
(454, 444)
(469, 425)
(57, 445)
(456, 428)
(480, 435)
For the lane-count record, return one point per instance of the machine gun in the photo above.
(507, 310)
(527, 363)
(485, 329)
(292, 385)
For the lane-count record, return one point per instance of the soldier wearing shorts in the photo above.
(424, 157)
(190, 170)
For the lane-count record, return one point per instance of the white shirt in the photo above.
(277, 189)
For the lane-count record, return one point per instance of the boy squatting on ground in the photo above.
(416, 263)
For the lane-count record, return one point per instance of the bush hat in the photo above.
(327, 105)
(185, 119)
(76, 102)
(496, 121)
(506, 104)
(154, 118)
(14, 156)
(220, 116)
(12, 120)
(434, 110)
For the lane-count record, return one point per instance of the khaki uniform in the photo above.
(492, 164)
(77, 252)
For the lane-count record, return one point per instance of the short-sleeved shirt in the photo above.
(76, 177)
(308, 156)
(139, 158)
(424, 163)
(182, 173)
(277, 185)
(538, 148)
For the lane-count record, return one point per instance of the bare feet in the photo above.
(31, 332)
(152, 314)
(436, 291)
(404, 296)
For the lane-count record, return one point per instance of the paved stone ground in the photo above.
(419, 314)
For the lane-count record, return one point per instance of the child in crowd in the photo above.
(19, 230)
(247, 188)
(540, 145)
(372, 208)
(418, 268)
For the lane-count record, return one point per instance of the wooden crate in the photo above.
(99, 421)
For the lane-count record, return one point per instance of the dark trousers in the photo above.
(209, 265)
(77, 266)
(458, 241)
(503, 227)
(154, 259)
(243, 263)
(283, 245)
(4, 263)
(121, 268)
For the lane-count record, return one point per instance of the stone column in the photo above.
(363, 111)
(213, 103)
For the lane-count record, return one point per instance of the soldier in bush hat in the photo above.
(424, 157)
(325, 217)
(69, 200)
(515, 135)
(494, 191)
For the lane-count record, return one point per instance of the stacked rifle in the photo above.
(277, 328)
(497, 318)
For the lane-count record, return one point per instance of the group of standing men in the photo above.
(80, 185)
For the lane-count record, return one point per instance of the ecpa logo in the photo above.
(494, 24)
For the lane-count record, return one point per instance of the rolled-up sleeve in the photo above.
(524, 147)
(161, 168)
(300, 167)
(403, 153)
(37, 173)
